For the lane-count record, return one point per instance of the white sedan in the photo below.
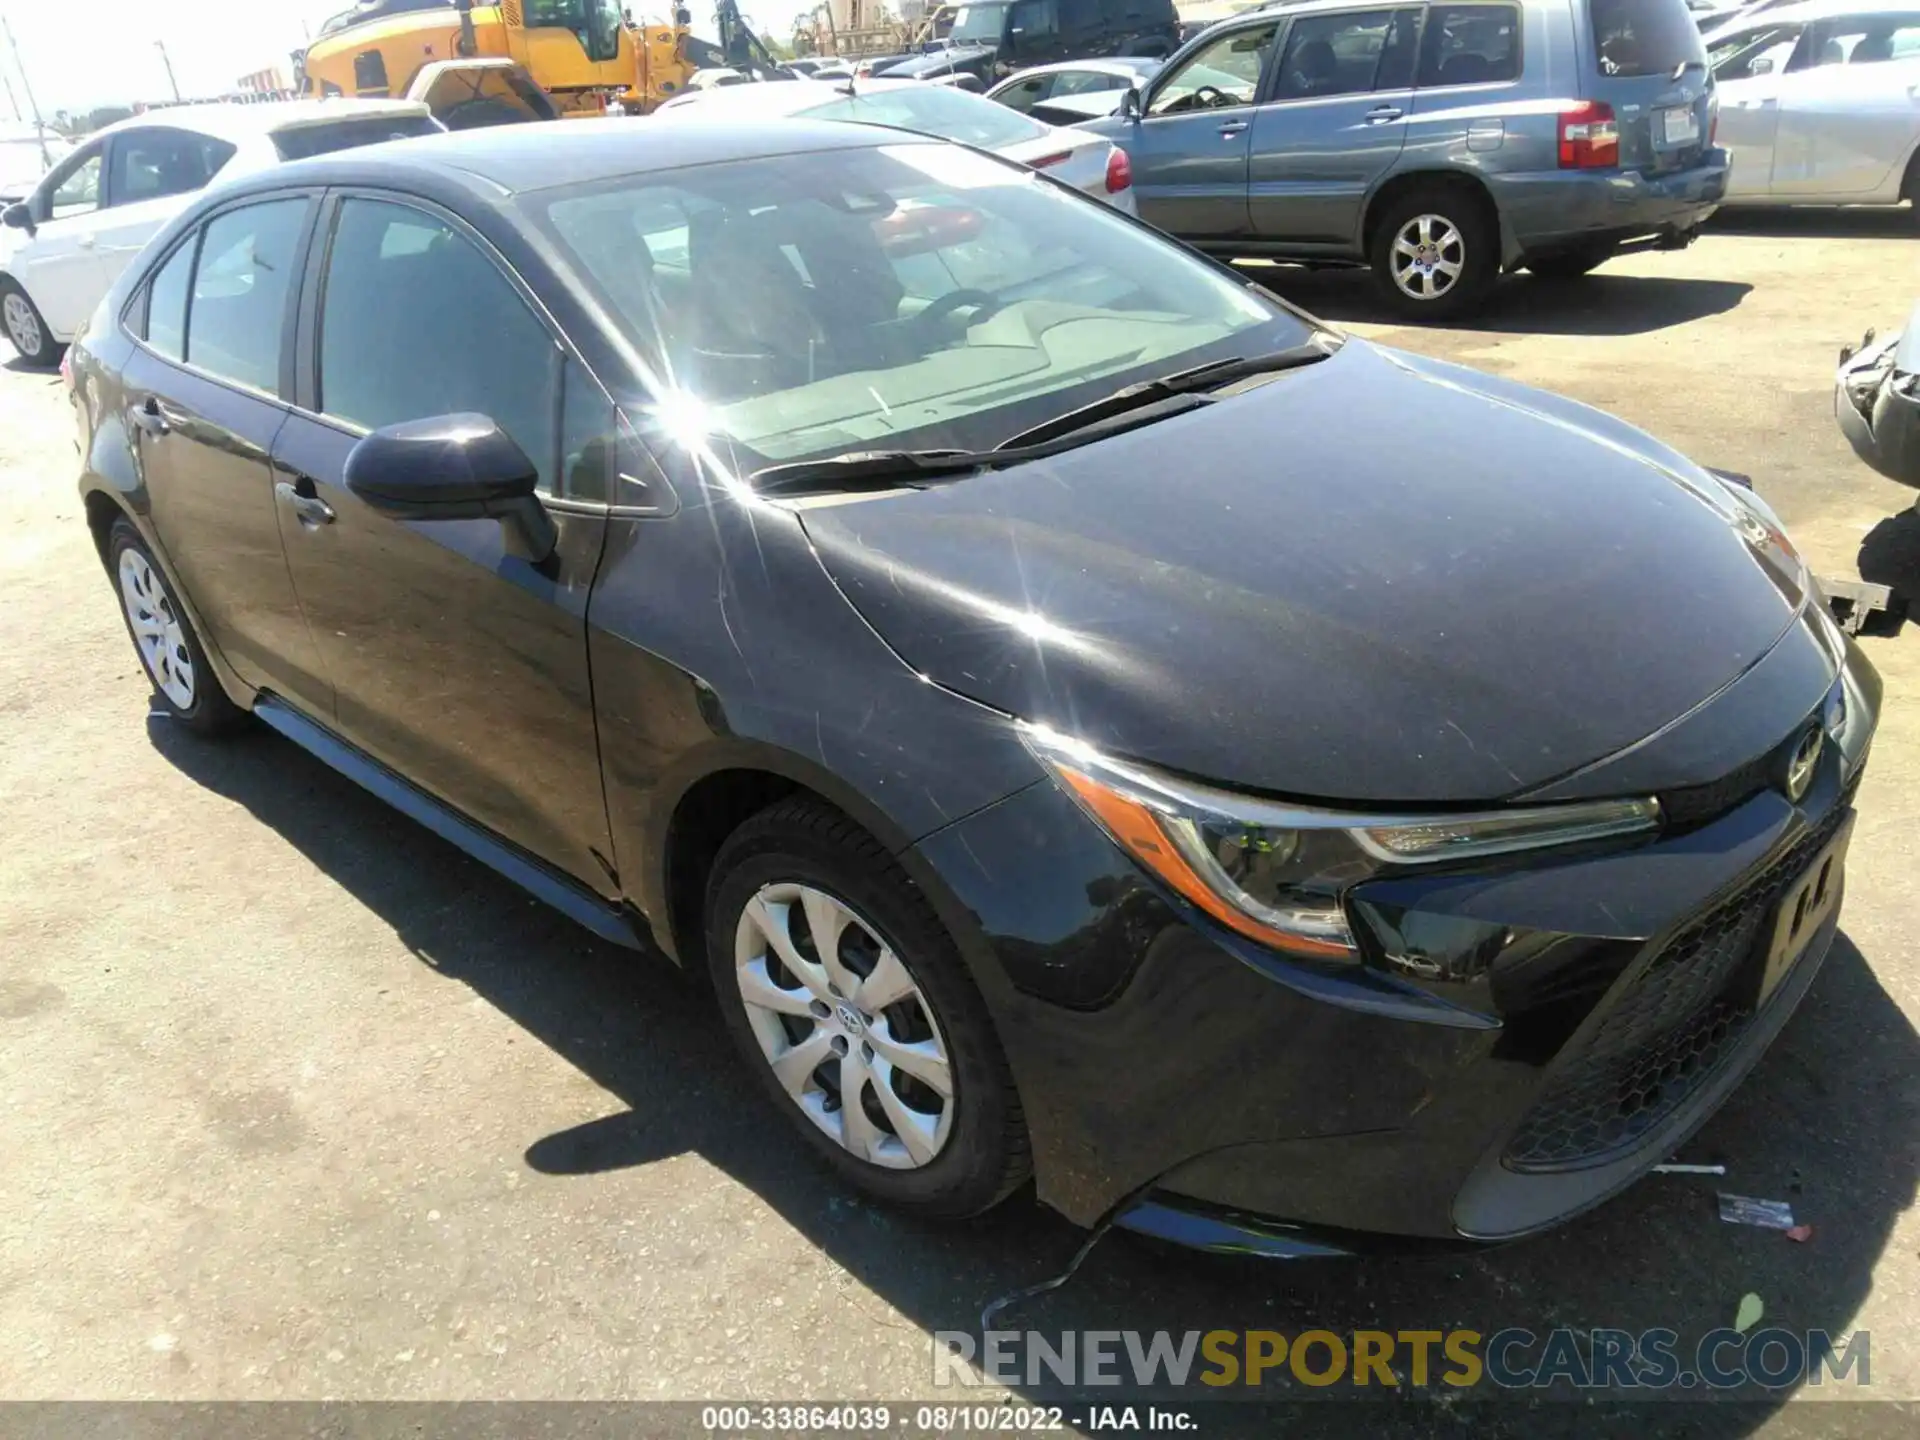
(1115, 75)
(67, 242)
(1820, 103)
(1088, 162)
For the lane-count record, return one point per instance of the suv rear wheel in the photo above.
(1435, 252)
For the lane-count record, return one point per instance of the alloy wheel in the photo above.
(1427, 257)
(850, 1035)
(157, 632)
(23, 326)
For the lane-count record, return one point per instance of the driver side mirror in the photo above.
(454, 467)
(1762, 66)
(1132, 105)
(18, 217)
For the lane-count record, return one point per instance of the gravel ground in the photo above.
(297, 1102)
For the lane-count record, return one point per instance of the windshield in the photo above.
(935, 110)
(1645, 37)
(594, 23)
(912, 295)
(978, 24)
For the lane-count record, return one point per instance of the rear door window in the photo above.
(1470, 45)
(152, 164)
(167, 303)
(1644, 37)
(1865, 40)
(236, 319)
(1333, 55)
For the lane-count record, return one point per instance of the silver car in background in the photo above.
(1820, 103)
(1439, 143)
(1087, 162)
(1111, 75)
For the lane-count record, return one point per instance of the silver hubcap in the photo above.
(156, 629)
(843, 1024)
(23, 326)
(1428, 255)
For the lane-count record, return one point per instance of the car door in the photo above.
(457, 664)
(152, 174)
(1849, 117)
(204, 388)
(1334, 121)
(58, 264)
(1748, 71)
(1189, 140)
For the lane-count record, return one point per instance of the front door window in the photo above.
(1218, 76)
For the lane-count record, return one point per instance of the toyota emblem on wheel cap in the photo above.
(1800, 767)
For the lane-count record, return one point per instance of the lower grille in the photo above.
(1668, 1027)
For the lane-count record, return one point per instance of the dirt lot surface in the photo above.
(298, 1102)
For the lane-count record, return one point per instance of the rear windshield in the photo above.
(310, 140)
(1645, 37)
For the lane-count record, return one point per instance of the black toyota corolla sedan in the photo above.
(1087, 719)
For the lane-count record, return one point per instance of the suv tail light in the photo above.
(1119, 171)
(1589, 138)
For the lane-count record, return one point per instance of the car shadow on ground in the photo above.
(1890, 556)
(1864, 222)
(1599, 305)
(1829, 1122)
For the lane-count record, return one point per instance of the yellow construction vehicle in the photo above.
(579, 52)
(669, 55)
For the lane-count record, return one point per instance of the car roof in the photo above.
(245, 122)
(517, 159)
(1813, 10)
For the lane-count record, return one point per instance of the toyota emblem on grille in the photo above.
(1800, 767)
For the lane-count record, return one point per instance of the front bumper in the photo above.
(1508, 1057)
(1545, 211)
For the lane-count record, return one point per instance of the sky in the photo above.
(82, 53)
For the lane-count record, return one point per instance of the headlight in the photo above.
(1277, 873)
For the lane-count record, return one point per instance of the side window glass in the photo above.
(1033, 20)
(236, 320)
(167, 303)
(1470, 45)
(1217, 76)
(1026, 94)
(77, 191)
(149, 164)
(416, 322)
(589, 438)
(1085, 82)
(1868, 40)
(1332, 55)
(1402, 51)
(1765, 51)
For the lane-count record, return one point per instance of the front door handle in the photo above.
(1381, 114)
(151, 418)
(85, 242)
(310, 510)
(1231, 128)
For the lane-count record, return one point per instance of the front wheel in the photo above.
(1435, 253)
(844, 992)
(24, 325)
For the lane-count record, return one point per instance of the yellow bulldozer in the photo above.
(577, 55)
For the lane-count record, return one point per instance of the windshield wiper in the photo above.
(1125, 409)
(1214, 375)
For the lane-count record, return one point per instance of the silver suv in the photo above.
(1440, 143)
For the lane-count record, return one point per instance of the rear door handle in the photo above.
(1232, 128)
(310, 510)
(153, 418)
(1381, 114)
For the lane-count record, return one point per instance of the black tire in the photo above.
(210, 711)
(1569, 264)
(1470, 219)
(803, 841)
(480, 114)
(43, 351)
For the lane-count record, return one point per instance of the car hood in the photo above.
(939, 62)
(1380, 578)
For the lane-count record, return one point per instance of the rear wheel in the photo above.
(21, 319)
(1569, 264)
(1435, 252)
(170, 652)
(845, 994)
